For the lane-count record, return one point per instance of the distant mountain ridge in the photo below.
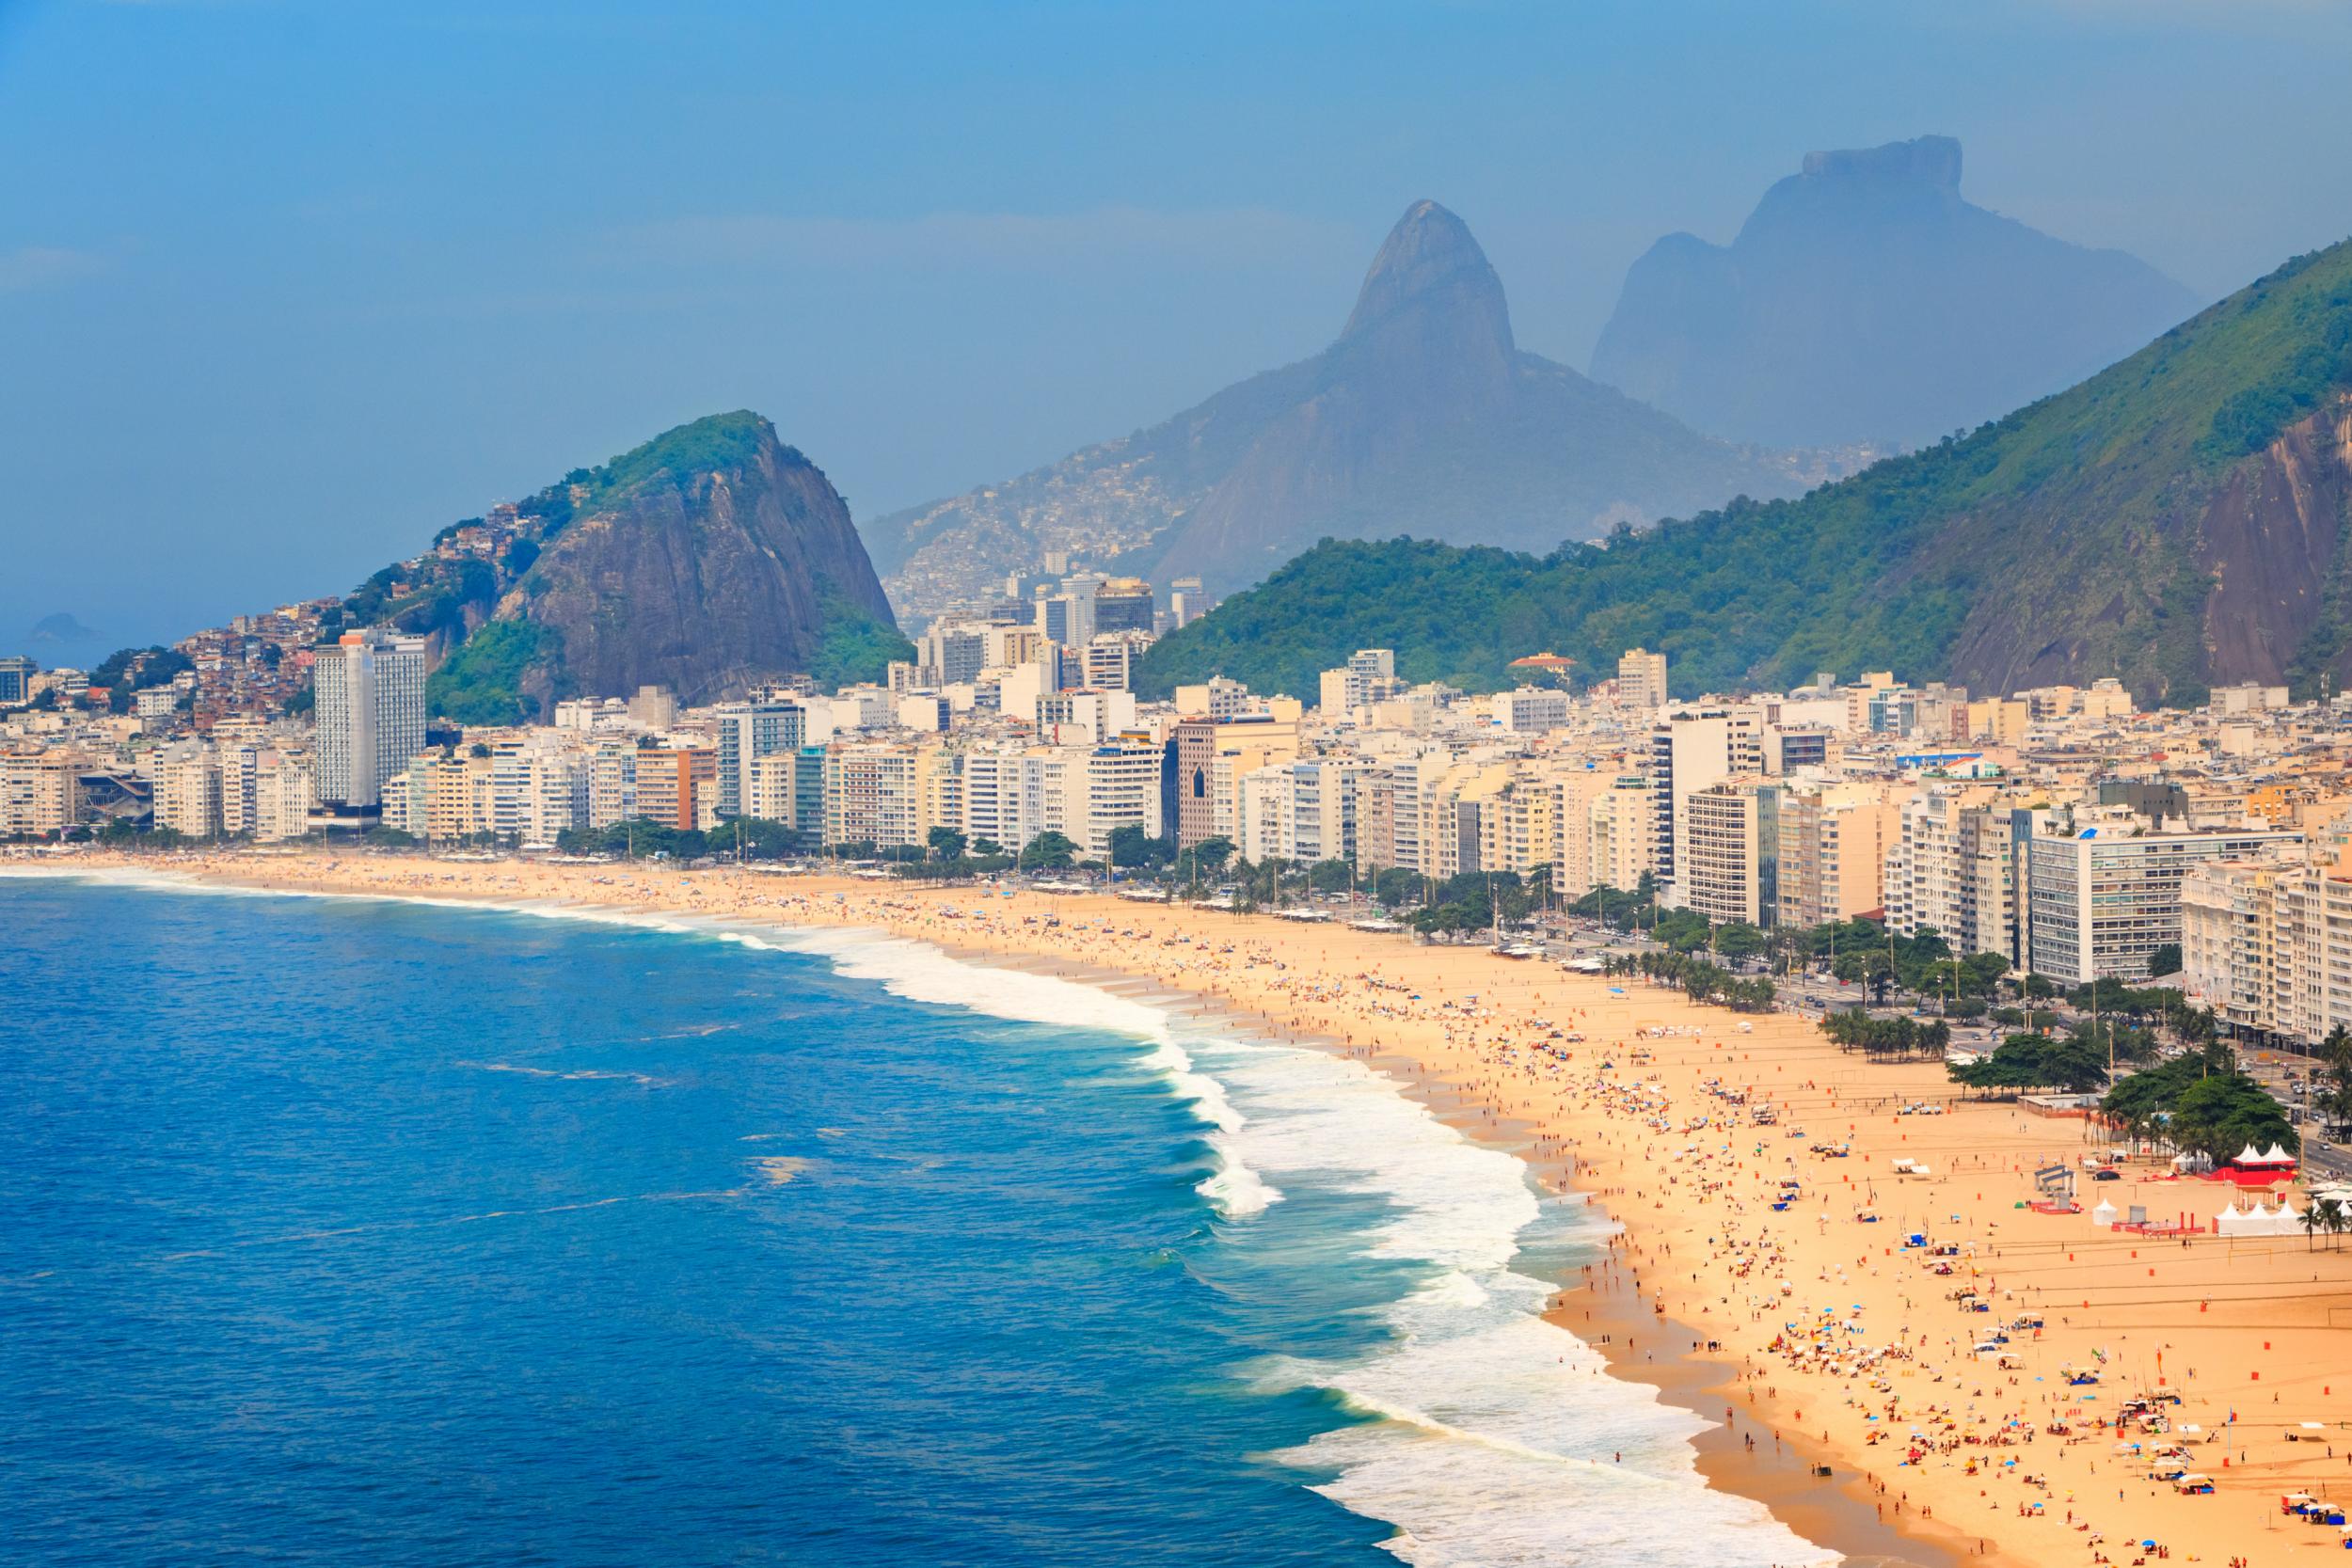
(1422, 415)
(1865, 298)
(2182, 519)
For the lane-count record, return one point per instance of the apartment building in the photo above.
(1210, 756)
(538, 792)
(1122, 780)
(1215, 698)
(747, 732)
(1641, 680)
(678, 787)
(1531, 710)
(266, 795)
(1369, 676)
(1520, 826)
(40, 793)
(1951, 867)
(187, 790)
(1693, 749)
(874, 794)
(1731, 869)
(613, 784)
(370, 695)
(1833, 840)
(1622, 836)
(2106, 894)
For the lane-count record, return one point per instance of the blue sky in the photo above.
(284, 287)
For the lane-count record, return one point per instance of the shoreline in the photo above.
(1461, 1056)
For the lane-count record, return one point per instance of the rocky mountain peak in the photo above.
(1922, 160)
(1429, 267)
(1867, 300)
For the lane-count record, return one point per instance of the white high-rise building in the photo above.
(1642, 679)
(40, 794)
(1691, 750)
(749, 733)
(187, 790)
(2107, 893)
(370, 687)
(282, 797)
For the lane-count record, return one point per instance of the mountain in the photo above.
(63, 626)
(2182, 519)
(1865, 299)
(710, 560)
(1424, 415)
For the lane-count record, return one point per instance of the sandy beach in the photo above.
(1747, 1283)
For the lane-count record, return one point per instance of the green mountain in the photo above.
(2180, 520)
(710, 560)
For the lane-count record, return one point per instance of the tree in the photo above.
(2165, 960)
(1048, 852)
(2334, 1100)
(756, 838)
(2221, 1113)
(1132, 848)
(1206, 857)
(1739, 940)
(1683, 931)
(2067, 1063)
(1881, 977)
(945, 843)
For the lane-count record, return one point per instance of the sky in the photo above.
(285, 287)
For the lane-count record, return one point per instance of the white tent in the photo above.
(2278, 1156)
(2257, 1221)
(2103, 1217)
(2247, 1156)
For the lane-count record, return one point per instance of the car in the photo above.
(2110, 1174)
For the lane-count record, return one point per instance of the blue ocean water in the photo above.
(377, 1233)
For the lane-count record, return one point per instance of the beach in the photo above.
(1747, 1283)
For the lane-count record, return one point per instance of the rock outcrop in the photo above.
(711, 560)
(713, 567)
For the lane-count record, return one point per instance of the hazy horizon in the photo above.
(286, 289)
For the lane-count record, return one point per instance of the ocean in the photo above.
(384, 1232)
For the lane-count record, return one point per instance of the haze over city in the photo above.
(283, 288)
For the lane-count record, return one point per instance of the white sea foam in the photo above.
(1489, 1436)
(922, 973)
